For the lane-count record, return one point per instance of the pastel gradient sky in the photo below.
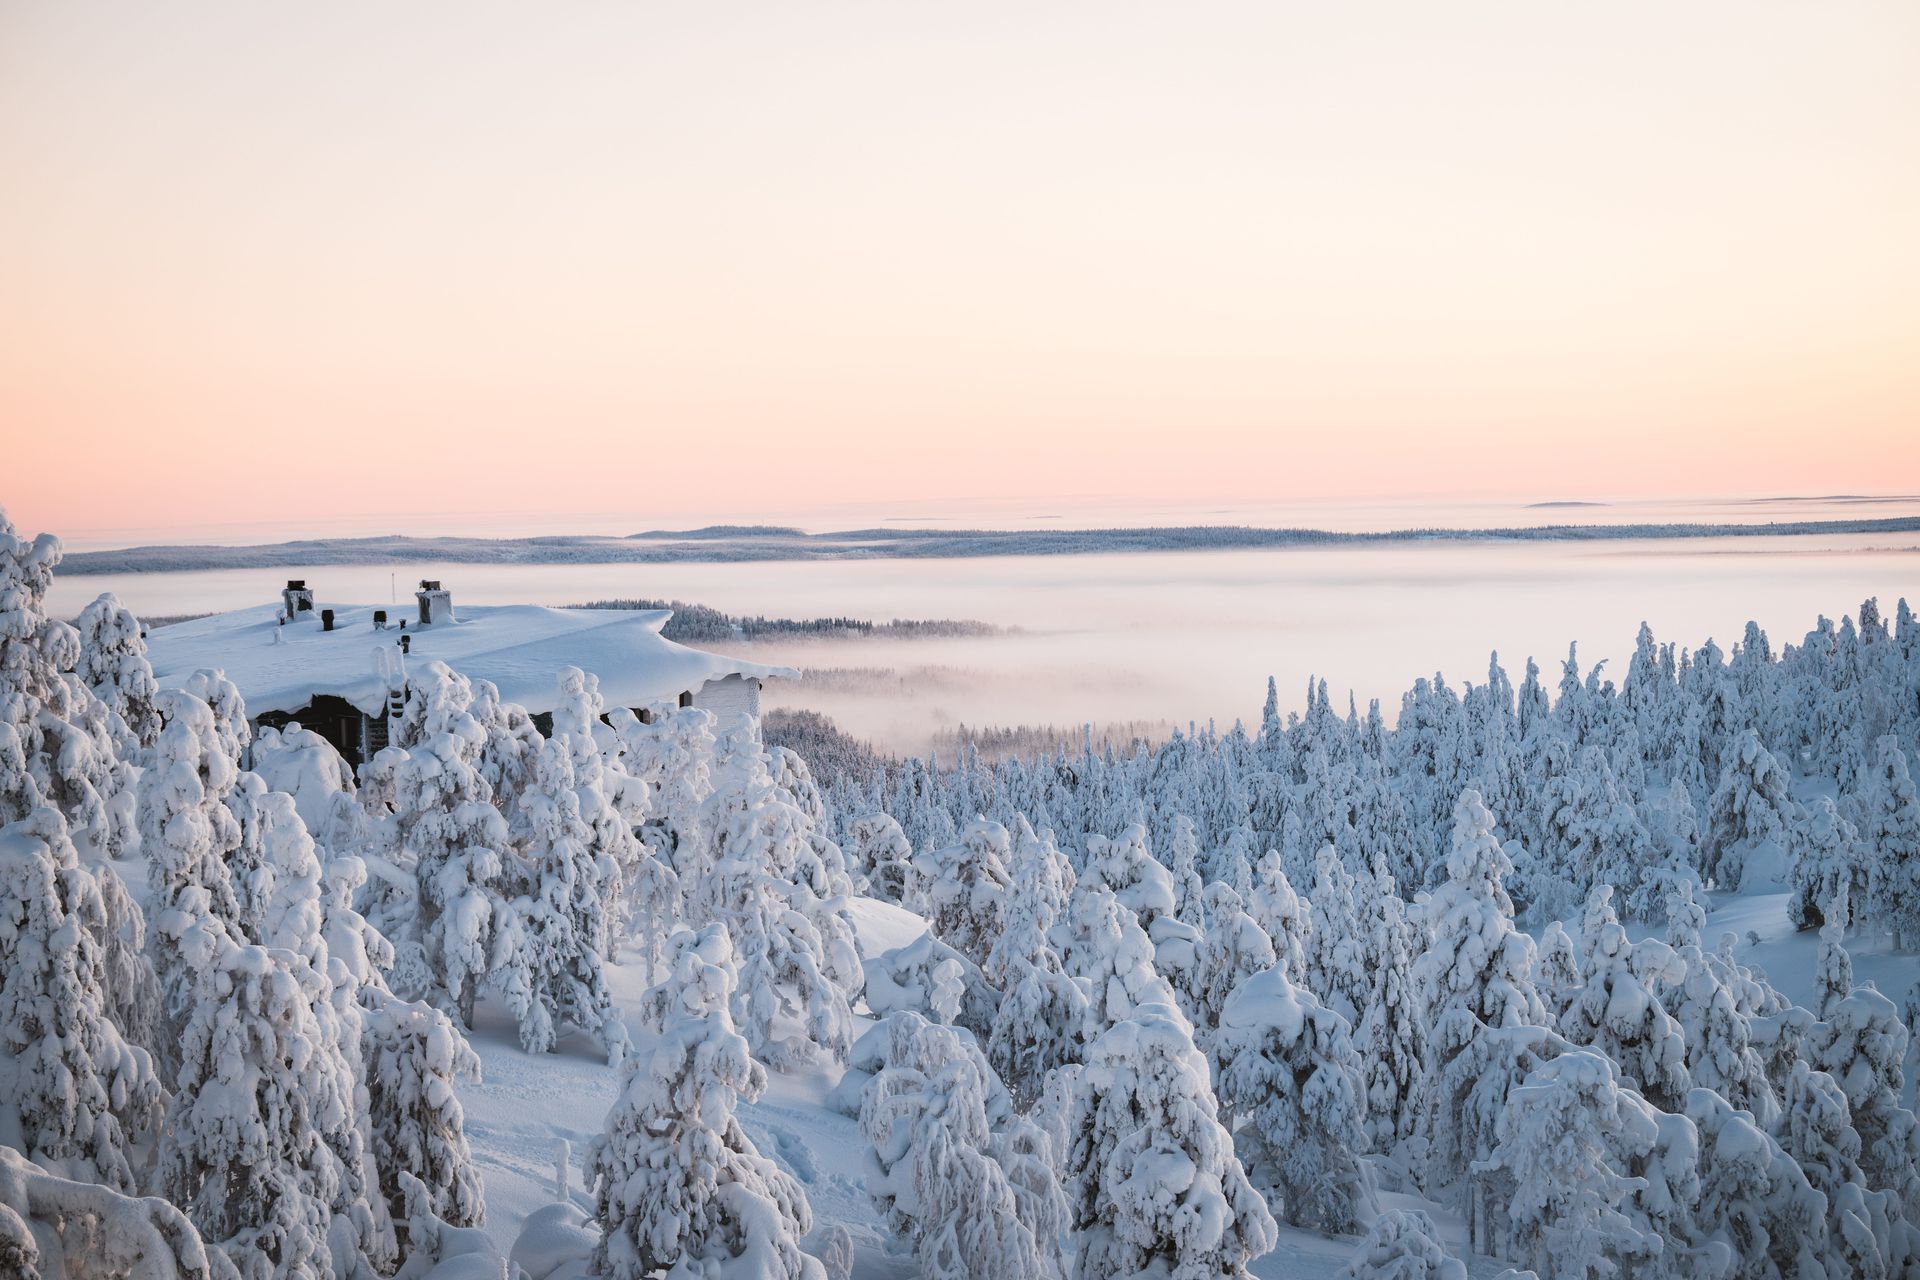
(280, 262)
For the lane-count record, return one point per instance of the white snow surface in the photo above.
(516, 647)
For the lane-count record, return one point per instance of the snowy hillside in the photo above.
(1608, 980)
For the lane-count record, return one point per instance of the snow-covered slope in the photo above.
(516, 647)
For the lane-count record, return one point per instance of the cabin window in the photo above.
(686, 697)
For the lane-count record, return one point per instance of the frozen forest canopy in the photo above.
(1443, 992)
(733, 543)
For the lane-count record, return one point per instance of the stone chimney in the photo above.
(436, 602)
(296, 599)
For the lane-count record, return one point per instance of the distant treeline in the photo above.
(837, 757)
(698, 623)
(1000, 742)
(881, 680)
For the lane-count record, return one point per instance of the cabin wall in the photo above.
(729, 697)
(335, 719)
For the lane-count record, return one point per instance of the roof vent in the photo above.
(436, 603)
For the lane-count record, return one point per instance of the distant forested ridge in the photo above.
(730, 543)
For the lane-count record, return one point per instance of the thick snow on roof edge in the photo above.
(519, 648)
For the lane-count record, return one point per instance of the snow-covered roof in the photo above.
(520, 648)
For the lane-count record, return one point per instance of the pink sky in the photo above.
(294, 263)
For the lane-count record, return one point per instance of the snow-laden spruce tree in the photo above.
(1041, 884)
(1862, 1044)
(1833, 968)
(1041, 1022)
(1334, 971)
(285, 907)
(113, 663)
(453, 835)
(1816, 1130)
(1233, 949)
(1826, 859)
(1673, 823)
(1402, 1244)
(931, 1170)
(1720, 1052)
(671, 756)
(678, 1187)
(740, 775)
(1556, 970)
(1291, 1082)
(508, 741)
(968, 885)
(266, 821)
(1753, 1198)
(787, 1004)
(1473, 979)
(1232, 863)
(1185, 871)
(1134, 876)
(1030, 1156)
(1669, 1172)
(1651, 698)
(883, 857)
(1626, 856)
(1391, 1039)
(1152, 1177)
(187, 831)
(561, 915)
(53, 1228)
(820, 886)
(413, 1057)
(1686, 918)
(639, 893)
(1751, 805)
(1288, 920)
(1587, 833)
(1569, 1215)
(20, 795)
(222, 696)
(304, 765)
(64, 734)
(1617, 1012)
(903, 978)
(187, 834)
(1476, 963)
(1487, 1023)
(284, 895)
(1890, 827)
(81, 1098)
(1103, 947)
(246, 1150)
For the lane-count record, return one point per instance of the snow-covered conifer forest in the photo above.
(1580, 974)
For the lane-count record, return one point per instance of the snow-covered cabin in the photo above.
(336, 668)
